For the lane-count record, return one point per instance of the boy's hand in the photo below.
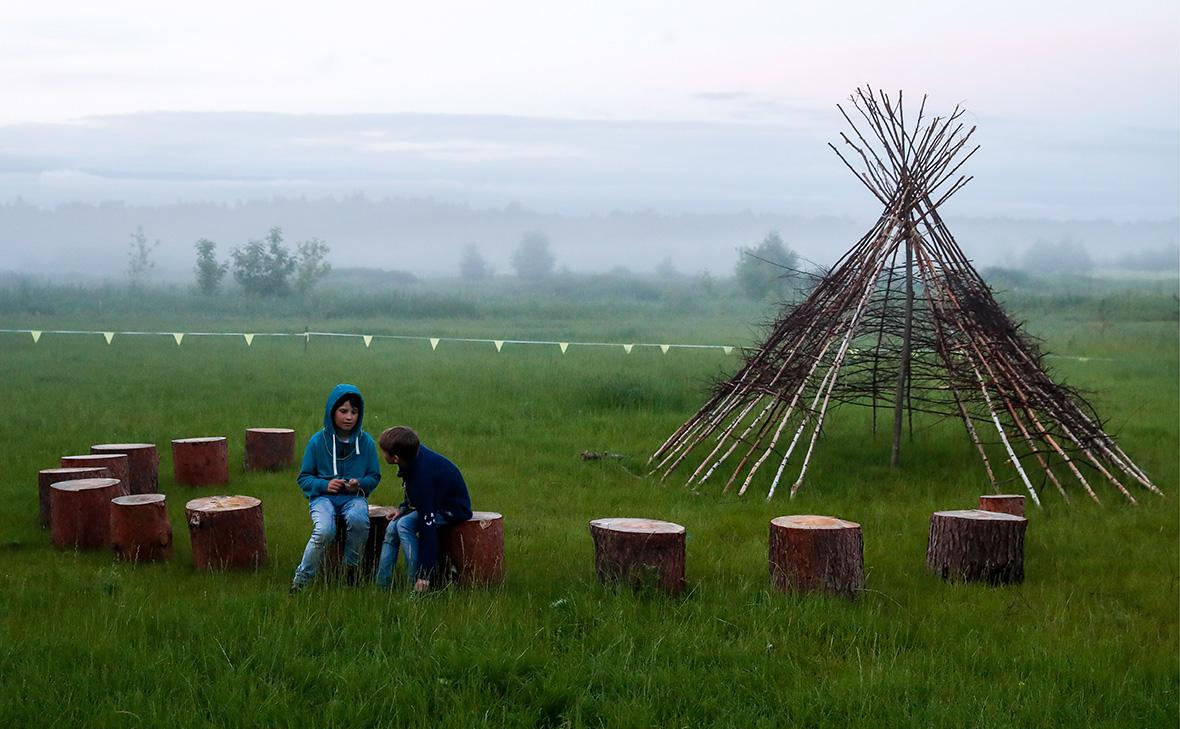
(353, 485)
(336, 485)
(421, 585)
(393, 515)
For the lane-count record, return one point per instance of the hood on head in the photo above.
(334, 398)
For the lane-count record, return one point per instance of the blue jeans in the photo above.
(323, 532)
(403, 533)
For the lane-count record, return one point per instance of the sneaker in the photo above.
(296, 588)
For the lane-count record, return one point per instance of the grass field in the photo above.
(1090, 638)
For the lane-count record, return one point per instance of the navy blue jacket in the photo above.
(327, 456)
(436, 490)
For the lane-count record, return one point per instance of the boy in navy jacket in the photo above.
(340, 469)
(435, 495)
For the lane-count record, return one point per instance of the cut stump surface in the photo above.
(816, 554)
(227, 532)
(976, 545)
(644, 553)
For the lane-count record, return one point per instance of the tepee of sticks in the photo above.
(901, 323)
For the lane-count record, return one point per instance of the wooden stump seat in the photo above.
(200, 461)
(140, 531)
(82, 512)
(333, 562)
(48, 476)
(473, 550)
(143, 464)
(116, 463)
(644, 553)
(816, 554)
(1004, 503)
(269, 449)
(976, 545)
(227, 532)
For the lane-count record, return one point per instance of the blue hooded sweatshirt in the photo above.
(436, 489)
(329, 456)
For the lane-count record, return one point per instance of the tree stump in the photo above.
(378, 520)
(227, 532)
(473, 550)
(82, 512)
(269, 449)
(1003, 503)
(975, 545)
(140, 531)
(816, 554)
(644, 553)
(200, 461)
(116, 463)
(49, 476)
(143, 464)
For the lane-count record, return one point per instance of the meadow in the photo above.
(1089, 639)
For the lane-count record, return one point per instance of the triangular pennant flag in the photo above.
(499, 344)
(178, 336)
(564, 346)
(108, 336)
(434, 342)
(249, 339)
(727, 350)
(36, 335)
(665, 347)
(368, 339)
(628, 347)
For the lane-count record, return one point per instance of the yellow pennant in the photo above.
(368, 339)
(249, 339)
(499, 344)
(727, 350)
(108, 336)
(434, 342)
(665, 347)
(564, 346)
(628, 347)
(36, 335)
(177, 336)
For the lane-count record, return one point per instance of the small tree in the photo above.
(139, 257)
(473, 267)
(263, 267)
(766, 269)
(209, 270)
(532, 260)
(310, 263)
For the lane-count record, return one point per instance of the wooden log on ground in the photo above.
(1003, 503)
(269, 449)
(46, 477)
(200, 461)
(140, 531)
(227, 532)
(473, 550)
(116, 463)
(143, 464)
(82, 512)
(816, 554)
(976, 545)
(644, 553)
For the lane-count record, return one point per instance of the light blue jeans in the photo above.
(323, 532)
(403, 533)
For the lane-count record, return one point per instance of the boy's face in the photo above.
(345, 417)
(391, 459)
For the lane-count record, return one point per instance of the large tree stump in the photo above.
(816, 554)
(1003, 503)
(378, 520)
(140, 531)
(143, 464)
(473, 550)
(116, 463)
(49, 476)
(975, 545)
(227, 532)
(82, 512)
(644, 553)
(269, 449)
(200, 461)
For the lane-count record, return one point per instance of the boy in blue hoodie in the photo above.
(340, 469)
(435, 495)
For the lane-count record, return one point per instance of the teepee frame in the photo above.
(902, 323)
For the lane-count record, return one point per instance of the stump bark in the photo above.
(82, 512)
(269, 449)
(200, 461)
(140, 531)
(473, 550)
(143, 464)
(116, 463)
(49, 476)
(1003, 503)
(643, 553)
(975, 545)
(378, 520)
(816, 554)
(227, 532)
